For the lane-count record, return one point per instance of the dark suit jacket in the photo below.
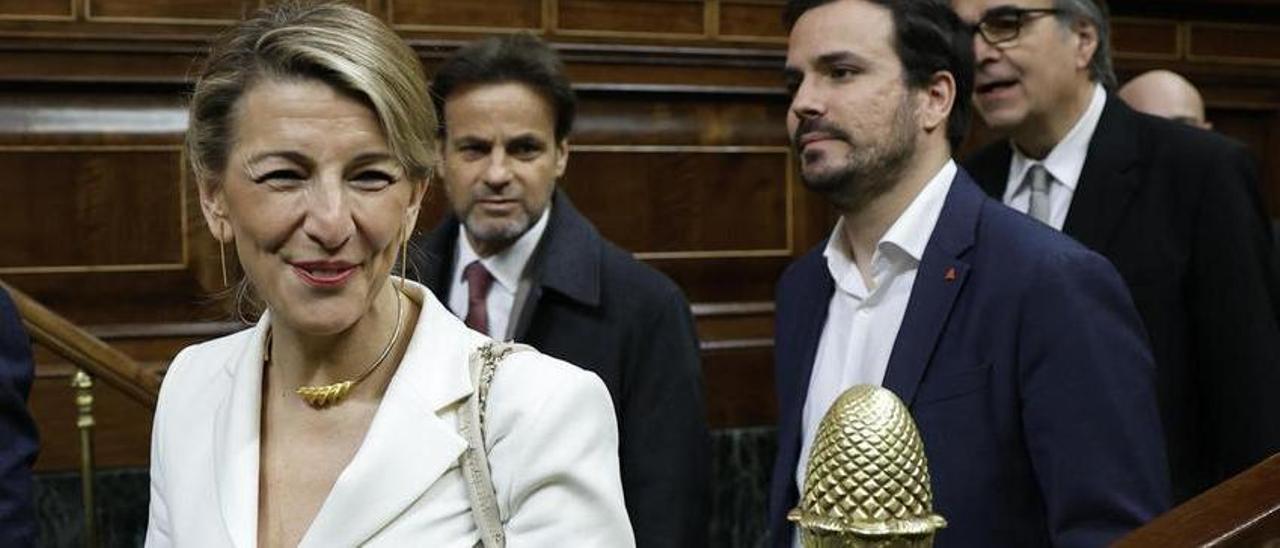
(18, 441)
(1176, 210)
(595, 306)
(1027, 374)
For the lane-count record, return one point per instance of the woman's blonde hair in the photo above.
(337, 44)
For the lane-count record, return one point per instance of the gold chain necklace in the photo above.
(320, 397)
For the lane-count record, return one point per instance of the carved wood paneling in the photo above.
(752, 20)
(651, 18)
(81, 209)
(1145, 38)
(36, 9)
(185, 11)
(1233, 43)
(466, 14)
(739, 385)
(686, 202)
(617, 117)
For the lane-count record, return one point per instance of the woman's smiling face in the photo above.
(315, 201)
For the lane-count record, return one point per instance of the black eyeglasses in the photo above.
(1003, 24)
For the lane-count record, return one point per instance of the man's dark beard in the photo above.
(869, 172)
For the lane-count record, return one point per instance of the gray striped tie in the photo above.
(1039, 180)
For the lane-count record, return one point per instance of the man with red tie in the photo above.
(518, 262)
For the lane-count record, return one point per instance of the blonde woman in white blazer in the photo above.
(334, 421)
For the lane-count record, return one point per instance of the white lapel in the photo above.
(236, 435)
(408, 446)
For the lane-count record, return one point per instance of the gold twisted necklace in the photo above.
(320, 397)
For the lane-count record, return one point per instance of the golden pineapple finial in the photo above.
(867, 481)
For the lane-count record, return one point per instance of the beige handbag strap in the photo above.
(475, 462)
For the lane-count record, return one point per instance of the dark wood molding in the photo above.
(99, 359)
(1243, 511)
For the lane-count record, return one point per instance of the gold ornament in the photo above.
(320, 397)
(867, 481)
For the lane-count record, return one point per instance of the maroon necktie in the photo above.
(478, 282)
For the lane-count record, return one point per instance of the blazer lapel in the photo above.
(1108, 182)
(433, 256)
(236, 437)
(409, 445)
(990, 168)
(939, 279)
(567, 261)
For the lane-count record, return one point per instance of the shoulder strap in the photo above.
(475, 461)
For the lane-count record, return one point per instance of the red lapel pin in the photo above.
(950, 276)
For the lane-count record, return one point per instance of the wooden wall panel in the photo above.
(189, 11)
(466, 14)
(1234, 43)
(686, 202)
(89, 208)
(36, 9)
(1150, 39)
(613, 117)
(752, 20)
(739, 386)
(640, 17)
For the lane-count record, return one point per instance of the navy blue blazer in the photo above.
(1027, 372)
(18, 442)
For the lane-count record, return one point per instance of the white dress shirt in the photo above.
(508, 270)
(1064, 164)
(863, 319)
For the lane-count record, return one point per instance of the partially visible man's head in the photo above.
(1035, 57)
(872, 81)
(1167, 95)
(506, 109)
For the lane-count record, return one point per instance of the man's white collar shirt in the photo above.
(863, 318)
(507, 268)
(1064, 164)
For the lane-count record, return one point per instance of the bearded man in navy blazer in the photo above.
(1017, 350)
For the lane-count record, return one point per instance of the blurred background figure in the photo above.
(18, 441)
(1168, 95)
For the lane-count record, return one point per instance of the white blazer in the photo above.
(551, 438)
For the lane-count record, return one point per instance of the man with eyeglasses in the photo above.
(1174, 208)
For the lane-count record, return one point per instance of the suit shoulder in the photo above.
(1016, 236)
(1180, 142)
(525, 380)
(805, 268)
(623, 272)
(197, 365)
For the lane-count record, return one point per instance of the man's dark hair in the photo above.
(929, 38)
(516, 58)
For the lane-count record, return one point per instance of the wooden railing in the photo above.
(99, 359)
(1243, 511)
(93, 359)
